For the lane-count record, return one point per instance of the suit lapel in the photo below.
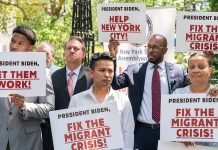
(81, 73)
(6, 102)
(63, 80)
(78, 84)
(170, 75)
(141, 76)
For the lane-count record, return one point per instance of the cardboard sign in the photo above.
(189, 117)
(197, 31)
(87, 128)
(125, 22)
(22, 73)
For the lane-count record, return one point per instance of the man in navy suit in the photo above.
(138, 79)
(74, 54)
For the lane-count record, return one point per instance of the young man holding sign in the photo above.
(20, 116)
(102, 71)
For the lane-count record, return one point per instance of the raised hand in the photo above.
(113, 47)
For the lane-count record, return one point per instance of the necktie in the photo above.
(70, 83)
(156, 95)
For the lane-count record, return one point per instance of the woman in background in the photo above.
(199, 72)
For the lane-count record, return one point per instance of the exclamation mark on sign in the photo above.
(104, 141)
(126, 35)
(211, 132)
(29, 85)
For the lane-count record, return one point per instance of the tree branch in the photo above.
(55, 8)
(17, 6)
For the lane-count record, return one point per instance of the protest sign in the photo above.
(22, 73)
(189, 117)
(197, 31)
(125, 22)
(87, 128)
(162, 145)
(132, 53)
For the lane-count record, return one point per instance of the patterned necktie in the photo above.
(70, 83)
(156, 95)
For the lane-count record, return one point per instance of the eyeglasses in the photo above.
(153, 47)
(100, 55)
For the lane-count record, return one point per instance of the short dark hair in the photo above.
(163, 37)
(27, 32)
(99, 56)
(77, 38)
(207, 54)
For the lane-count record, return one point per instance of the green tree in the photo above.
(51, 20)
(214, 5)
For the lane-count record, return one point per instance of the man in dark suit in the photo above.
(74, 54)
(142, 91)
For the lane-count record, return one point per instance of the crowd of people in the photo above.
(24, 121)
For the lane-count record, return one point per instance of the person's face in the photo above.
(199, 70)
(73, 52)
(156, 50)
(103, 73)
(19, 43)
(49, 54)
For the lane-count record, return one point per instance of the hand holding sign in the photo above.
(113, 47)
(18, 100)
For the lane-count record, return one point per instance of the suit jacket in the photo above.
(134, 78)
(59, 80)
(22, 129)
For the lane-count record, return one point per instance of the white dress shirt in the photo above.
(124, 108)
(145, 114)
(75, 75)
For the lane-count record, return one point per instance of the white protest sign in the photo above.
(131, 53)
(125, 22)
(197, 31)
(189, 117)
(162, 145)
(85, 128)
(22, 73)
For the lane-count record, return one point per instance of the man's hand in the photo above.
(18, 100)
(113, 47)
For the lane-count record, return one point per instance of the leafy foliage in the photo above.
(48, 19)
(214, 5)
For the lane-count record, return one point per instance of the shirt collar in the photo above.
(107, 97)
(76, 71)
(161, 65)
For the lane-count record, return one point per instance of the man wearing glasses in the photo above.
(146, 82)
